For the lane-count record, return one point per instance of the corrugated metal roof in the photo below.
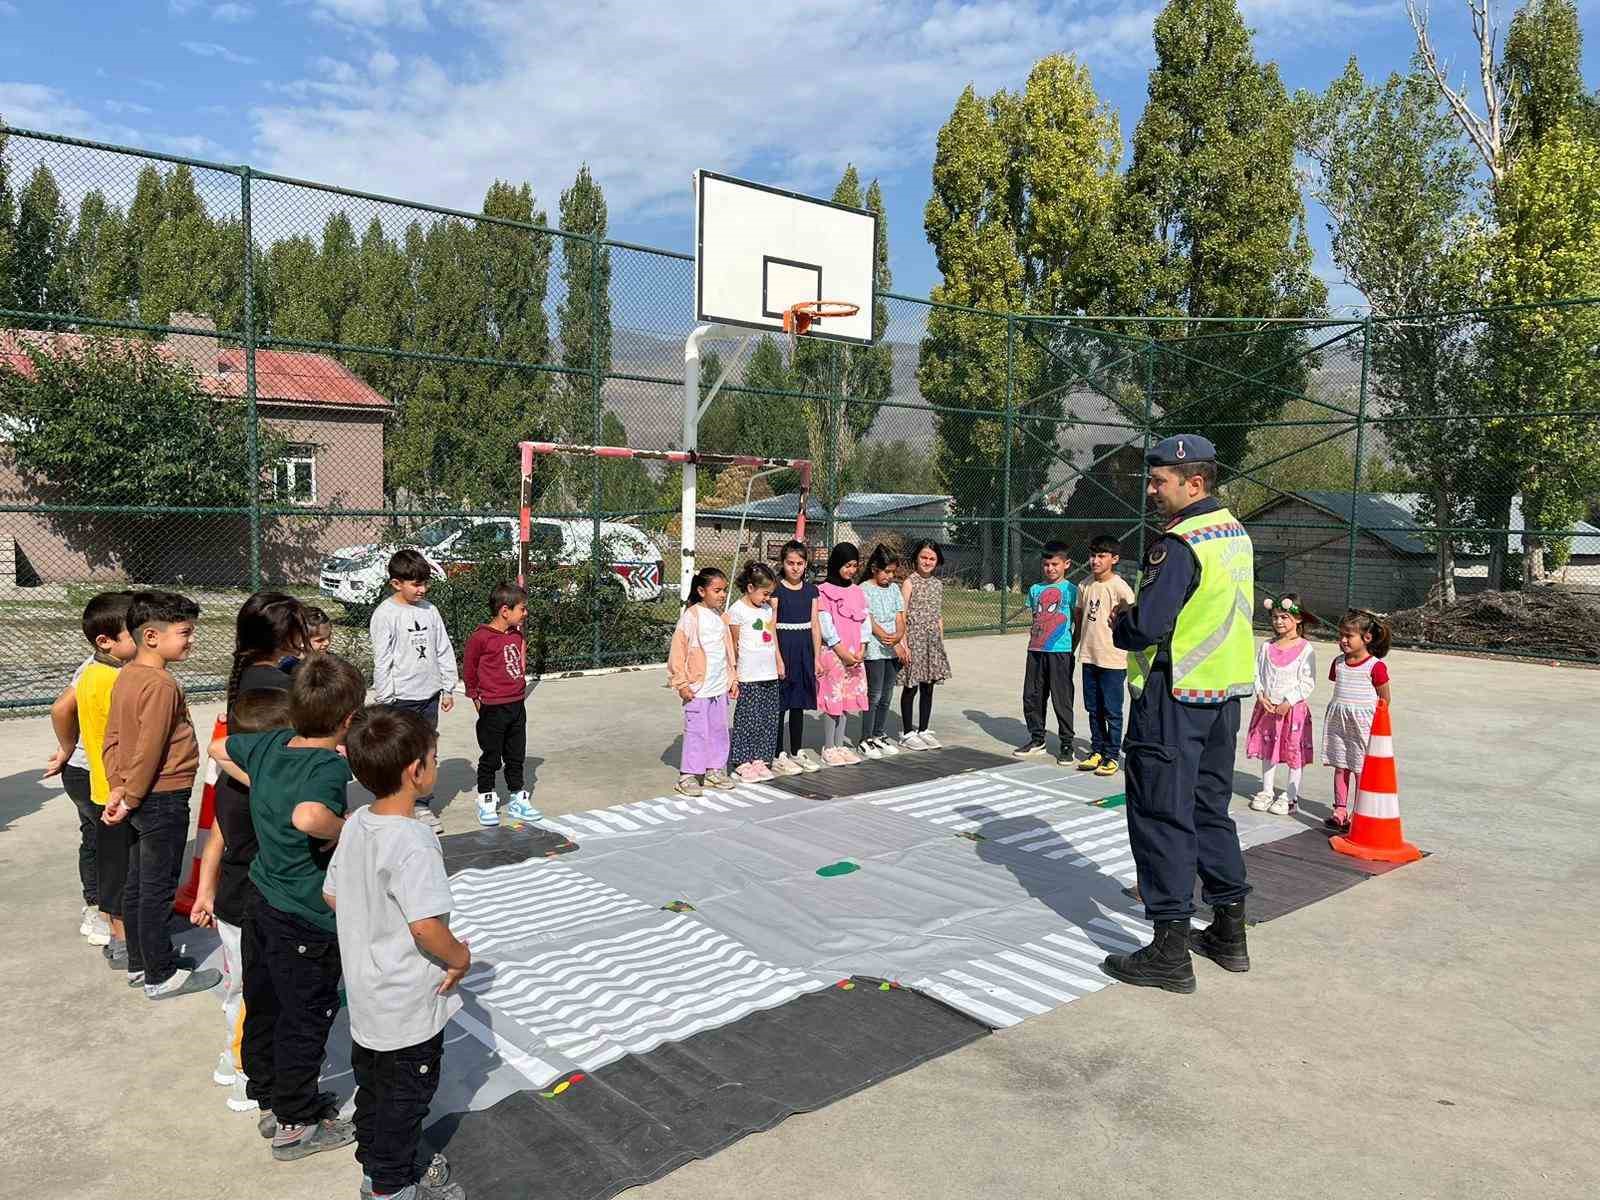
(1391, 517)
(854, 507)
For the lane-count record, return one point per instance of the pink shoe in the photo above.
(851, 758)
(748, 772)
(835, 757)
(766, 771)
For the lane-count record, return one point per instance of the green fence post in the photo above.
(1005, 475)
(252, 438)
(1144, 457)
(1355, 476)
(595, 386)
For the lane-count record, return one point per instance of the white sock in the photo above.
(1295, 775)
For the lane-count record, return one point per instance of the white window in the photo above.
(294, 478)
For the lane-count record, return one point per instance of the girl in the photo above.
(758, 662)
(698, 669)
(841, 678)
(1280, 726)
(927, 663)
(269, 629)
(886, 630)
(1360, 680)
(800, 645)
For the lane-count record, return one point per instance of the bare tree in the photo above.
(1491, 131)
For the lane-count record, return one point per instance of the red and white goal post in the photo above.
(685, 458)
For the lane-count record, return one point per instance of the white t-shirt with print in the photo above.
(712, 641)
(758, 644)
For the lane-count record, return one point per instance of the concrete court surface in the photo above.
(1434, 1032)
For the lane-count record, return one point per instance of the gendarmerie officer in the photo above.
(1191, 660)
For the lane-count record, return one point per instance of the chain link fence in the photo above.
(219, 380)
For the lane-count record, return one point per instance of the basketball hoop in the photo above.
(798, 318)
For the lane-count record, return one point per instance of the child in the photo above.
(800, 644)
(223, 895)
(759, 666)
(413, 662)
(1280, 726)
(926, 663)
(1360, 680)
(886, 631)
(318, 633)
(270, 637)
(387, 883)
(1105, 668)
(79, 719)
(698, 669)
(841, 677)
(151, 760)
(1049, 671)
(495, 673)
(297, 783)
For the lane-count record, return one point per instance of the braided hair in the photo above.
(267, 623)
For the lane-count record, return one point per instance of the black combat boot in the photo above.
(1164, 963)
(1223, 940)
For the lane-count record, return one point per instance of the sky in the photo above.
(433, 99)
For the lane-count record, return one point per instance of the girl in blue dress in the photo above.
(799, 641)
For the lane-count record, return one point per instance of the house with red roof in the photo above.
(333, 424)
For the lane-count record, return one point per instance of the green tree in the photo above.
(1397, 183)
(1023, 190)
(583, 334)
(8, 229)
(1212, 225)
(41, 282)
(626, 485)
(1541, 75)
(104, 275)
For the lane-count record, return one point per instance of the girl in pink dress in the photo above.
(1360, 680)
(1280, 726)
(841, 675)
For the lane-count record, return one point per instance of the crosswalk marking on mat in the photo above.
(647, 816)
(537, 899)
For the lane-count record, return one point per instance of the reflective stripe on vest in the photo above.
(1212, 647)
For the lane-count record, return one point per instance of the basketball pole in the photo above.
(694, 408)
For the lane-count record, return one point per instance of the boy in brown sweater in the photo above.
(151, 758)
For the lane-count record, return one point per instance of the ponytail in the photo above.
(1371, 625)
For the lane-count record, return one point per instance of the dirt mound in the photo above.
(1546, 621)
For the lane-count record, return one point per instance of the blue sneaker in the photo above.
(520, 809)
(488, 809)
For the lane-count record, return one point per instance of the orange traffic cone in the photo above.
(1375, 833)
(184, 901)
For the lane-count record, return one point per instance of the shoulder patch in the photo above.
(1157, 555)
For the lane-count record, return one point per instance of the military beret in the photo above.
(1180, 449)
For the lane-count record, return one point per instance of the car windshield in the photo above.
(431, 535)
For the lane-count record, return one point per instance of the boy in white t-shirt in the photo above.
(388, 888)
(1105, 668)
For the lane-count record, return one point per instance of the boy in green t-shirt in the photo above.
(297, 783)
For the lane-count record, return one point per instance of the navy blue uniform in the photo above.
(1179, 757)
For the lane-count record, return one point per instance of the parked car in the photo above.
(356, 574)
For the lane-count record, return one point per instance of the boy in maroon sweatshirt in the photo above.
(495, 671)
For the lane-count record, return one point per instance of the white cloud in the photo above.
(216, 50)
(372, 14)
(50, 110)
(646, 93)
(232, 14)
(128, 106)
(36, 106)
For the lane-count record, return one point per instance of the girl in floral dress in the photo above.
(926, 661)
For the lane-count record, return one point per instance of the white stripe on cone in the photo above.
(1380, 745)
(1382, 806)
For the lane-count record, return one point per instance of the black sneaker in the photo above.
(1030, 750)
(183, 983)
(1164, 963)
(301, 1141)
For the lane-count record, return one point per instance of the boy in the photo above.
(297, 782)
(413, 662)
(388, 883)
(1105, 668)
(79, 719)
(1049, 670)
(151, 759)
(496, 677)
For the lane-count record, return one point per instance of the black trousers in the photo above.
(393, 1091)
(158, 833)
(1179, 759)
(76, 781)
(111, 864)
(291, 994)
(1048, 677)
(502, 738)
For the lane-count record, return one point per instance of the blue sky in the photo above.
(432, 99)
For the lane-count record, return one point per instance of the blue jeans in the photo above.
(160, 831)
(1102, 700)
(428, 710)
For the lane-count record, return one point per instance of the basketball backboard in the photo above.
(759, 249)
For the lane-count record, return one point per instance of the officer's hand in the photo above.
(1121, 607)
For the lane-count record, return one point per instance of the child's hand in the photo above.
(203, 911)
(686, 693)
(56, 761)
(452, 975)
(117, 807)
(733, 690)
(477, 706)
(446, 702)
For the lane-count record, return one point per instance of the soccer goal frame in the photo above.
(687, 459)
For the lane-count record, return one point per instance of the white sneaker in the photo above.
(520, 808)
(488, 808)
(929, 742)
(911, 741)
(809, 760)
(1261, 801)
(224, 1073)
(869, 747)
(99, 931)
(785, 765)
(1281, 805)
(886, 746)
(239, 1098)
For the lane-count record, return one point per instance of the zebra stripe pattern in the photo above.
(661, 813)
(1006, 988)
(627, 993)
(530, 901)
